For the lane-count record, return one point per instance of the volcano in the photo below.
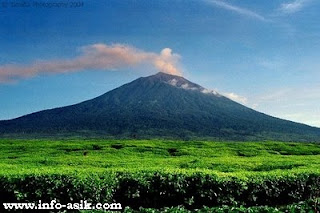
(160, 106)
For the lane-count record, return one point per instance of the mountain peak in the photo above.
(180, 82)
(164, 76)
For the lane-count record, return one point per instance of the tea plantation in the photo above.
(171, 176)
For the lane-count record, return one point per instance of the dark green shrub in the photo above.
(117, 146)
(194, 191)
(159, 189)
(96, 147)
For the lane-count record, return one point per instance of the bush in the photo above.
(159, 190)
(63, 188)
(301, 207)
(194, 191)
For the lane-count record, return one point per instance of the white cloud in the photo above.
(173, 82)
(236, 97)
(293, 7)
(233, 96)
(188, 87)
(210, 91)
(239, 10)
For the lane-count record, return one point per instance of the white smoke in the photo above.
(96, 56)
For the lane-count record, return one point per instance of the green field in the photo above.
(222, 158)
(161, 173)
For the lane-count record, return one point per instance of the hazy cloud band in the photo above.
(239, 10)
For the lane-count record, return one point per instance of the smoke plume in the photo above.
(96, 57)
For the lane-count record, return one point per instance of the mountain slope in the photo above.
(161, 105)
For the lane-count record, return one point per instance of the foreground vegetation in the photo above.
(301, 207)
(158, 174)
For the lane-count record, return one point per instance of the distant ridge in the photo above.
(160, 106)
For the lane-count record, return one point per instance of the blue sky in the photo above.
(263, 54)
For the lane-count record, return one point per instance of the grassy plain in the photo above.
(240, 159)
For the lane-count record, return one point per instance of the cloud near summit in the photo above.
(96, 57)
